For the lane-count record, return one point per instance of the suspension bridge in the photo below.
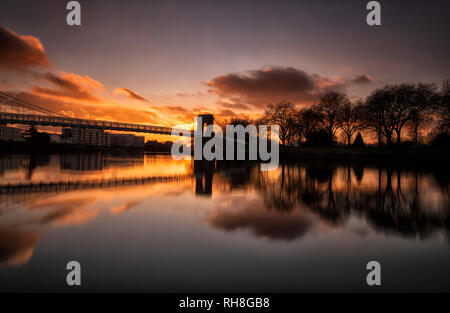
(17, 111)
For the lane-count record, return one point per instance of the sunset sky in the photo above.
(162, 62)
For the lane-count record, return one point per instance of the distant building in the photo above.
(127, 140)
(97, 137)
(108, 140)
(85, 136)
(11, 134)
(66, 136)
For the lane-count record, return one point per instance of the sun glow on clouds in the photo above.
(229, 95)
(129, 93)
(70, 86)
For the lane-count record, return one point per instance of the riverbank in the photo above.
(397, 155)
(25, 147)
(368, 154)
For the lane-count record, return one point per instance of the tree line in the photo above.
(392, 114)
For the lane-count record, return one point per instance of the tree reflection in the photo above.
(395, 201)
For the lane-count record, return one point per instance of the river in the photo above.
(148, 223)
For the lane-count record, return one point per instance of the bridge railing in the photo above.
(47, 120)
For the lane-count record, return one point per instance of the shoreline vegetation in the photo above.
(404, 154)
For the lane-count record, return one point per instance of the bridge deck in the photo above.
(47, 120)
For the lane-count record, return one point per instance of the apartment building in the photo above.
(85, 136)
(10, 134)
(97, 137)
(127, 140)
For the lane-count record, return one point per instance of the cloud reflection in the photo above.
(16, 246)
(264, 223)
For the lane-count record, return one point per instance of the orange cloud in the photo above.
(64, 212)
(70, 86)
(20, 52)
(124, 208)
(16, 247)
(129, 93)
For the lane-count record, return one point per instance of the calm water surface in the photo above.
(307, 227)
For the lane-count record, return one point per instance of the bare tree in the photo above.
(242, 120)
(400, 110)
(329, 106)
(389, 109)
(283, 115)
(423, 105)
(307, 122)
(386, 111)
(348, 119)
(445, 107)
(371, 116)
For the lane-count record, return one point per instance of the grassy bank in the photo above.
(394, 154)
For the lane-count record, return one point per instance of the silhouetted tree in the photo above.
(330, 104)
(307, 122)
(400, 110)
(445, 107)
(348, 118)
(387, 110)
(359, 142)
(242, 120)
(156, 146)
(372, 115)
(441, 140)
(423, 104)
(283, 115)
(32, 135)
(319, 137)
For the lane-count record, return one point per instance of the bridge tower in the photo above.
(207, 119)
(204, 169)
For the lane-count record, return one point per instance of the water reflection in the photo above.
(393, 201)
(299, 200)
(402, 202)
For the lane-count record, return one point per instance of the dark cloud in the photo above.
(234, 105)
(260, 87)
(20, 52)
(262, 222)
(362, 80)
(129, 93)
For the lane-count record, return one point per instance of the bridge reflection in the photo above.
(204, 172)
(87, 184)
